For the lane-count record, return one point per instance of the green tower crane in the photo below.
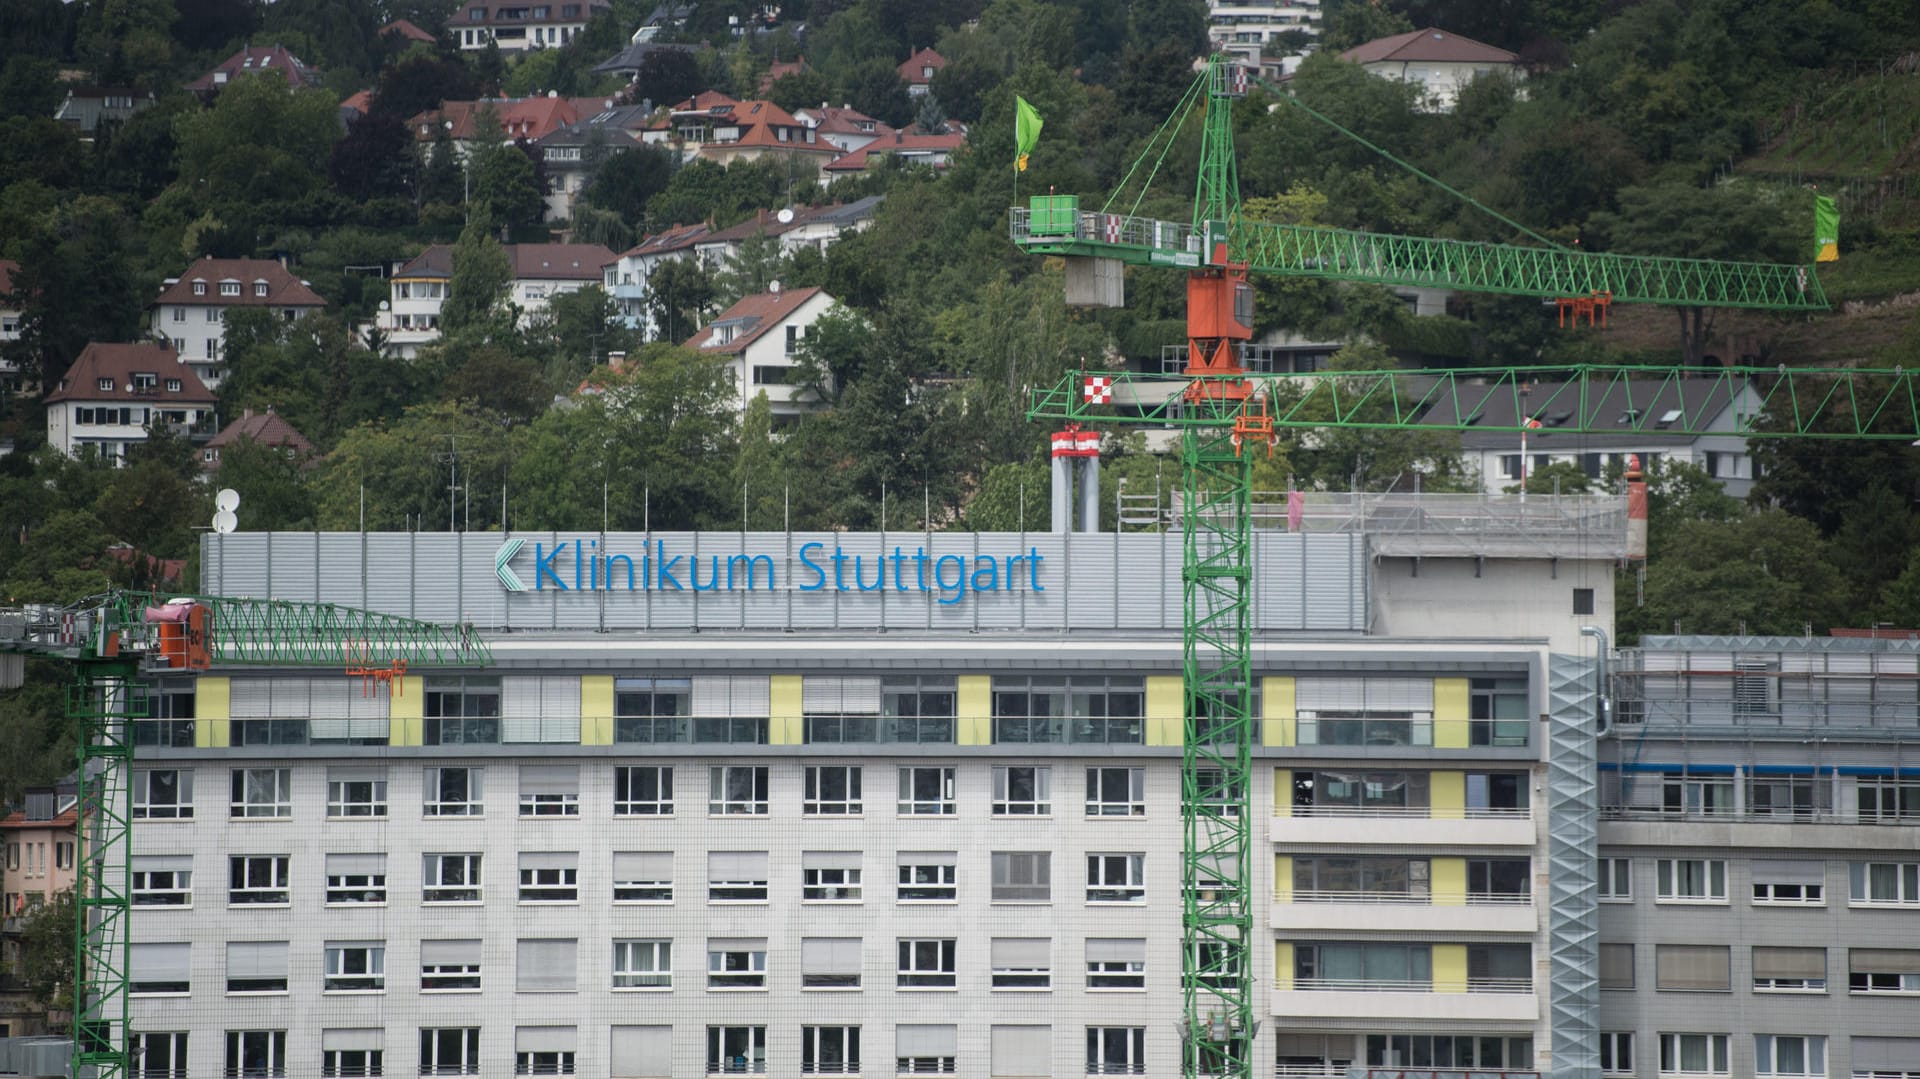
(116, 641)
(1223, 414)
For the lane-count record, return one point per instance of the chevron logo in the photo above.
(509, 580)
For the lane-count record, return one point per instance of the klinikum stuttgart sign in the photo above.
(580, 566)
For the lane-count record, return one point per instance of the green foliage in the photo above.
(756, 264)
(404, 467)
(1013, 496)
(46, 952)
(506, 189)
(680, 298)
(272, 485)
(481, 273)
(1764, 573)
(628, 180)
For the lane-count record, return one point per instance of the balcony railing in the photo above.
(1775, 816)
(1439, 1073)
(1378, 985)
(1415, 812)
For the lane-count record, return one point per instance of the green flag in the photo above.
(1826, 229)
(1026, 131)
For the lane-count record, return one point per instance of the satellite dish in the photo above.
(225, 522)
(227, 500)
(785, 216)
(773, 287)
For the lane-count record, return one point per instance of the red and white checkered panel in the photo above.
(1098, 390)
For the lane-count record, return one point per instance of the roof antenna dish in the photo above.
(785, 216)
(773, 287)
(224, 503)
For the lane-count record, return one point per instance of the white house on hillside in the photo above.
(420, 285)
(191, 310)
(114, 394)
(758, 337)
(1439, 61)
(626, 275)
(10, 314)
(411, 316)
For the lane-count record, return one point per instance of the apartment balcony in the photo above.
(1480, 1000)
(1401, 826)
(1412, 914)
(1641, 826)
(629, 290)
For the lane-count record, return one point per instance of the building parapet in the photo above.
(1415, 525)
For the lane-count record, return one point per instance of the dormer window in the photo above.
(144, 380)
(199, 288)
(173, 385)
(259, 287)
(219, 78)
(476, 14)
(106, 385)
(229, 288)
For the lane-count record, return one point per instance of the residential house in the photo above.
(520, 118)
(87, 107)
(543, 271)
(191, 311)
(1438, 61)
(1250, 30)
(571, 153)
(411, 316)
(820, 226)
(780, 69)
(256, 60)
(625, 277)
(933, 151)
(664, 18)
(114, 394)
(419, 287)
(265, 428)
(37, 850)
(717, 249)
(521, 25)
(626, 63)
(758, 337)
(844, 127)
(1697, 421)
(356, 105)
(407, 31)
(722, 130)
(917, 71)
(10, 316)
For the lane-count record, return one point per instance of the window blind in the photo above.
(344, 864)
(256, 959)
(1691, 966)
(737, 865)
(549, 859)
(1022, 1051)
(550, 779)
(544, 1039)
(1021, 953)
(160, 962)
(352, 1039)
(830, 859)
(830, 955)
(641, 1053)
(1116, 950)
(642, 865)
(546, 964)
(1782, 872)
(444, 953)
(926, 1040)
(1789, 962)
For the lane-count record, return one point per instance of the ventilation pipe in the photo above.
(1076, 451)
(1603, 695)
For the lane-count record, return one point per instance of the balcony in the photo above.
(1362, 911)
(1485, 1000)
(1403, 825)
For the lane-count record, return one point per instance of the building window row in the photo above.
(1773, 882)
(1774, 969)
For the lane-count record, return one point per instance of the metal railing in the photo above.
(1412, 812)
(1379, 985)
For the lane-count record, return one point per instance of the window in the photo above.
(736, 876)
(159, 1054)
(255, 1054)
(918, 709)
(926, 964)
(257, 880)
(829, 1050)
(546, 965)
(925, 1049)
(173, 385)
(1499, 880)
(356, 796)
(830, 963)
(461, 710)
(1794, 797)
(1616, 1052)
(736, 789)
(1885, 1058)
(1375, 879)
(1789, 970)
(1021, 962)
(162, 793)
(256, 966)
(549, 790)
(1693, 968)
(1883, 970)
(449, 966)
(351, 1054)
(453, 792)
(549, 877)
(1697, 796)
(643, 964)
(1465, 1051)
(830, 876)
(927, 877)
(1362, 966)
(543, 1051)
(1782, 883)
(831, 790)
(156, 969)
(1087, 709)
(214, 314)
(736, 1050)
(1753, 687)
(357, 878)
(1616, 966)
(1116, 1050)
(643, 877)
(736, 964)
(1583, 601)
(643, 790)
(1616, 880)
(199, 288)
(1116, 963)
(356, 967)
(1886, 884)
(1116, 792)
(229, 288)
(1496, 711)
(1693, 1054)
(259, 288)
(651, 709)
(162, 880)
(1790, 1054)
(1022, 876)
(926, 792)
(179, 314)
(261, 792)
(1691, 880)
(449, 1050)
(1023, 791)
(450, 878)
(1116, 878)
(1889, 800)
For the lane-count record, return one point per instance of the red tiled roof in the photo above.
(435, 261)
(283, 289)
(361, 102)
(66, 818)
(910, 70)
(1428, 46)
(8, 268)
(252, 60)
(780, 69)
(767, 310)
(520, 118)
(101, 360)
(900, 143)
(266, 428)
(165, 569)
(667, 241)
(566, 262)
(406, 30)
(759, 122)
(846, 120)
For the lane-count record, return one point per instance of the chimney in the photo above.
(616, 360)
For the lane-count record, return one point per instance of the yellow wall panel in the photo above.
(212, 705)
(1450, 712)
(973, 709)
(786, 721)
(1166, 710)
(1278, 714)
(596, 709)
(1449, 968)
(1283, 792)
(1283, 964)
(1283, 878)
(1447, 792)
(404, 708)
(1449, 882)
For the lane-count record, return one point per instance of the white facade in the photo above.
(113, 395)
(765, 364)
(516, 26)
(1440, 81)
(412, 315)
(1250, 29)
(191, 311)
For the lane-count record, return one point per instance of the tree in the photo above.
(575, 331)
(495, 381)
(667, 75)
(1356, 22)
(128, 41)
(1179, 24)
(1013, 496)
(506, 188)
(272, 483)
(874, 87)
(375, 160)
(804, 89)
(75, 284)
(755, 265)
(680, 297)
(46, 954)
(1349, 458)
(1763, 573)
(404, 468)
(628, 179)
(420, 83)
(481, 274)
(443, 179)
(29, 85)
